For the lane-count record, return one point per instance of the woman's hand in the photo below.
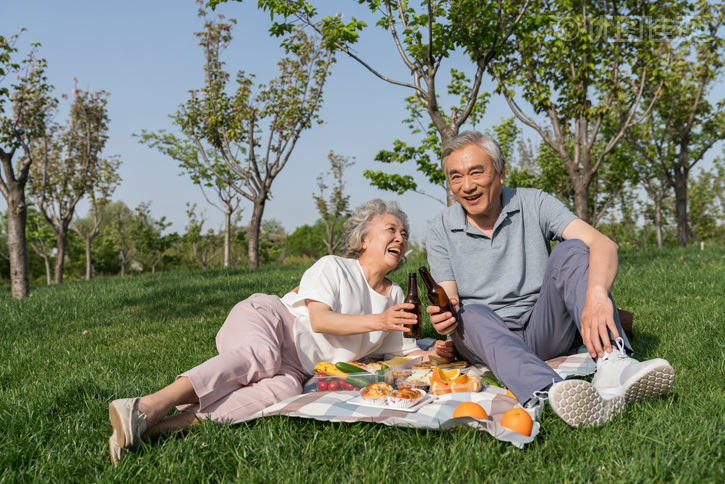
(444, 349)
(396, 319)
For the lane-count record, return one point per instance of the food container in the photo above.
(472, 384)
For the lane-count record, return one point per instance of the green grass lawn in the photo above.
(71, 349)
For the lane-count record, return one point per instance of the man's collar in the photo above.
(509, 204)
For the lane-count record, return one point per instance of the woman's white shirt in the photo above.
(340, 283)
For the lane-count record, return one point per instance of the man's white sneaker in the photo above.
(620, 375)
(579, 404)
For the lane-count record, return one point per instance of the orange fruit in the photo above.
(441, 375)
(518, 420)
(439, 388)
(470, 409)
(462, 379)
(465, 383)
(509, 394)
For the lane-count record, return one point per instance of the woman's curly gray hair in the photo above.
(358, 225)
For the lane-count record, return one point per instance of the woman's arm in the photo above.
(324, 320)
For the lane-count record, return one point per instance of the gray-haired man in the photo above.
(521, 303)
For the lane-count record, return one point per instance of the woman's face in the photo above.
(385, 242)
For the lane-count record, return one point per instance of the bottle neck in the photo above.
(412, 284)
(427, 278)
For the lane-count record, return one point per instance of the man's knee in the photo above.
(569, 250)
(477, 315)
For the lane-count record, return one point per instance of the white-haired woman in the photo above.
(346, 309)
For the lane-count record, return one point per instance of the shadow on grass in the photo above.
(645, 344)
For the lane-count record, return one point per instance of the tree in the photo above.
(100, 195)
(423, 37)
(707, 210)
(125, 228)
(186, 153)
(658, 190)
(41, 240)
(272, 242)
(71, 165)
(31, 107)
(204, 246)
(307, 241)
(233, 125)
(684, 124)
(575, 74)
(152, 242)
(334, 210)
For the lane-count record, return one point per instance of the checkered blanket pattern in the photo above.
(437, 415)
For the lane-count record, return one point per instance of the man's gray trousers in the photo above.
(515, 348)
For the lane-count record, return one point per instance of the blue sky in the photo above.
(146, 56)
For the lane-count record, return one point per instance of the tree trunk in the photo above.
(658, 221)
(227, 237)
(681, 175)
(46, 260)
(17, 243)
(446, 136)
(581, 201)
(254, 227)
(60, 256)
(89, 274)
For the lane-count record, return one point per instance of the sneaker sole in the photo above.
(654, 382)
(579, 404)
(117, 424)
(117, 452)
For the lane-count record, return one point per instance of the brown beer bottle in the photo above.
(436, 294)
(416, 330)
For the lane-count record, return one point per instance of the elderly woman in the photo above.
(346, 309)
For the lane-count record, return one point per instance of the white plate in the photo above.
(363, 403)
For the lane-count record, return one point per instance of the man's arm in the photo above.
(445, 323)
(598, 314)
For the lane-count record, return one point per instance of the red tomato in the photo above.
(322, 385)
(333, 386)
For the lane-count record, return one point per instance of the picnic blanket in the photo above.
(437, 415)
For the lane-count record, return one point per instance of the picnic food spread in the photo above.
(436, 376)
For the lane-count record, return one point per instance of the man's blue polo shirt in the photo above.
(505, 271)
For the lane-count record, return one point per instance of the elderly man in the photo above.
(521, 303)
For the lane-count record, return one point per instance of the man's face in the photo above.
(475, 183)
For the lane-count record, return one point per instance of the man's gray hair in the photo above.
(358, 225)
(487, 144)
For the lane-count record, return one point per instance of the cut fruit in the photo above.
(465, 383)
(441, 375)
(439, 388)
(472, 385)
